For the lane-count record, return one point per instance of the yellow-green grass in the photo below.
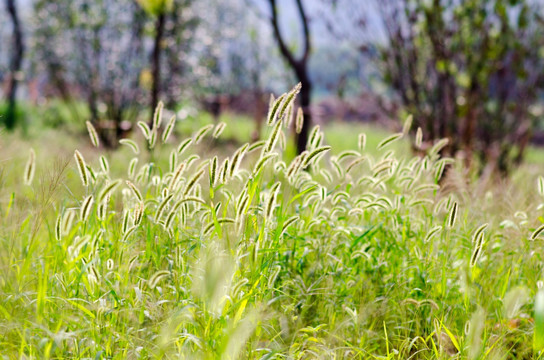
(361, 260)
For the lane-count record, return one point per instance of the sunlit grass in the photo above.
(347, 253)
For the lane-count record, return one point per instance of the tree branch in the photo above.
(306, 29)
(277, 34)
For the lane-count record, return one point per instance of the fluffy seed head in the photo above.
(169, 129)
(173, 161)
(289, 100)
(131, 144)
(407, 124)
(86, 207)
(419, 138)
(30, 168)
(219, 129)
(104, 165)
(202, 132)
(273, 139)
(261, 163)
(479, 242)
(139, 210)
(299, 122)
(452, 215)
(153, 138)
(108, 190)
(361, 142)
(135, 190)
(157, 115)
(213, 172)
(162, 207)
(271, 203)
(58, 228)
(273, 112)
(315, 154)
(146, 131)
(478, 233)
(537, 232)
(193, 182)
(157, 277)
(184, 144)
(93, 135)
(176, 177)
(237, 159)
(389, 140)
(132, 167)
(82, 168)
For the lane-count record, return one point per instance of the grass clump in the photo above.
(261, 255)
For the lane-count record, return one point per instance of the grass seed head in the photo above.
(162, 207)
(131, 144)
(289, 100)
(146, 131)
(237, 159)
(157, 116)
(184, 145)
(193, 182)
(86, 207)
(213, 173)
(407, 124)
(30, 168)
(169, 129)
(135, 190)
(299, 122)
(273, 112)
(93, 135)
(202, 132)
(419, 138)
(452, 215)
(315, 155)
(389, 140)
(273, 139)
(537, 232)
(82, 168)
(58, 228)
(219, 129)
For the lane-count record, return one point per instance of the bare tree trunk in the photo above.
(16, 63)
(305, 102)
(156, 63)
(299, 66)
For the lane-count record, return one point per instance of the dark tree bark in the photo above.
(299, 66)
(156, 63)
(16, 63)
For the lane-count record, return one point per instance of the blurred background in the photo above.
(471, 71)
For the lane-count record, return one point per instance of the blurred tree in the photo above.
(179, 35)
(93, 50)
(232, 56)
(96, 51)
(299, 65)
(15, 66)
(159, 10)
(469, 71)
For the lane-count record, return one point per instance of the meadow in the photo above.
(191, 242)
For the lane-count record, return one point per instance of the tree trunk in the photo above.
(305, 101)
(156, 64)
(299, 66)
(16, 63)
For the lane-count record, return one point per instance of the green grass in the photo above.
(324, 262)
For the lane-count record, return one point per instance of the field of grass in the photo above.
(221, 250)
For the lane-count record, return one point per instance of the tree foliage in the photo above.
(469, 71)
